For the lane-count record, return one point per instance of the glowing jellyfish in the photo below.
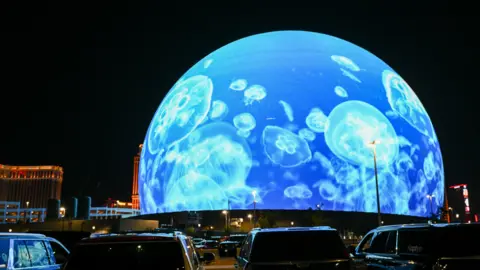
(181, 111)
(284, 147)
(288, 110)
(403, 101)
(317, 120)
(207, 63)
(219, 153)
(341, 92)
(324, 162)
(306, 134)
(254, 93)
(429, 166)
(298, 191)
(352, 126)
(348, 74)
(392, 114)
(238, 85)
(219, 110)
(244, 121)
(195, 191)
(328, 191)
(345, 62)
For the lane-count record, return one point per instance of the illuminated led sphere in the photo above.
(291, 120)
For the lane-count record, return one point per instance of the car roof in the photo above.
(131, 237)
(22, 235)
(424, 225)
(294, 229)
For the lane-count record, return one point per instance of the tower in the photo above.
(136, 162)
(446, 208)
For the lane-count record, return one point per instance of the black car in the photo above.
(294, 248)
(420, 246)
(228, 248)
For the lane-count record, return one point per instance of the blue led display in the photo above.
(287, 119)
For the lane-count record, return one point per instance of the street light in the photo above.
(373, 144)
(250, 217)
(93, 228)
(199, 225)
(225, 212)
(254, 194)
(430, 197)
(292, 223)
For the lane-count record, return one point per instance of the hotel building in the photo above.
(31, 186)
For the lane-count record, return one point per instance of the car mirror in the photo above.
(60, 258)
(351, 249)
(208, 257)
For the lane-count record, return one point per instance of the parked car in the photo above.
(208, 244)
(420, 246)
(30, 251)
(294, 248)
(136, 251)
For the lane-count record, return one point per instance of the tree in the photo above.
(190, 230)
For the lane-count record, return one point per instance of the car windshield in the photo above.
(297, 246)
(131, 255)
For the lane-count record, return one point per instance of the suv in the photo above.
(420, 246)
(294, 248)
(136, 251)
(32, 251)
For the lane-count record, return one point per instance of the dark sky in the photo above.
(81, 83)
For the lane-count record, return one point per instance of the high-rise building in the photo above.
(32, 186)
(136, 162)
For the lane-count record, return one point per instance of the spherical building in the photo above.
(290, 120)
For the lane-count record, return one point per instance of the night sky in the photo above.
(80, 84)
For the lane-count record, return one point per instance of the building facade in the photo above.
(13, 213)
(32, 186)
(136, 162)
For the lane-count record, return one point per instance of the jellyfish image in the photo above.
(219, 110)
(328, 191)
(207, 63)
(298, 191)
(324, 162)
(403, 101)
(195, 191)
(317, 120)
(285, 148)
(341, 92)
(181, 111)
(254, 93)
(288, 110)
(244, 121)
(352, 126)
(350, 75)
(345, 62)
(238, 85)
(306, 134)
(429, 166)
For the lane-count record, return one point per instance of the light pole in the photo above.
(254, 194)
(225, 212)
(250, 217)
(430, 197)
(25, 212)
(373, 145)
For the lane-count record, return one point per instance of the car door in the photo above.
(361, 251)
(59, 251)
(376, 254)
(242, 258)
(412, 249)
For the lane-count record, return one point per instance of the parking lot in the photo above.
(220, 262)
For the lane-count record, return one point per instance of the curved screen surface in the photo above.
(291, 120)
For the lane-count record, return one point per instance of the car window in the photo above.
(127, 255)
(379, 242)
(413, 241)
(458, 241)
(302, 246)
(246, 247)
(366, 242)
(4, 249)
(38, 252)
(21, 258)
(59, 252)
(391, 246)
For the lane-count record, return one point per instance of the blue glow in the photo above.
(258, 120)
